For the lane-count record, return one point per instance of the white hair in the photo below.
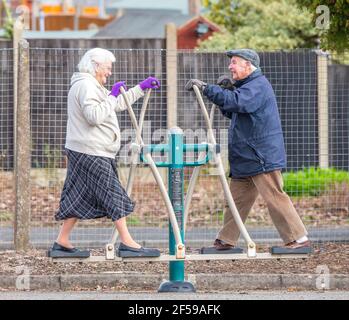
(92, 57)
(253, 68)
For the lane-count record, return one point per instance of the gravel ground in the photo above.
(334, 256)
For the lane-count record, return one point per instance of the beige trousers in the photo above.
(270, 187)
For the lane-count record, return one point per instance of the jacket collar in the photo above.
(78, 76)
(253, 75)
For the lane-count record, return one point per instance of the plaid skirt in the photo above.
(92, 189)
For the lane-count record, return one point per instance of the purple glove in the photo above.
(150, 83)
(115, 90)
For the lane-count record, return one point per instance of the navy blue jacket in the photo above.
(256, 143)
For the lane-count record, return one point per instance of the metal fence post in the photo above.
(22, 155)
(322, 76)
(171, 74)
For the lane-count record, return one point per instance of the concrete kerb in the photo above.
(202, 282)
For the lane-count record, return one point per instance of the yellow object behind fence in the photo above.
(58, 9)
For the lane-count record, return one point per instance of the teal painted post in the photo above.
(176, 191)
(175, 164)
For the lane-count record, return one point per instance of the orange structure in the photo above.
(57, 17)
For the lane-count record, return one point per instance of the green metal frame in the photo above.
(176, 150)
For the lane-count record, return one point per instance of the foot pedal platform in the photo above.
(213, 250)
(56, 254)
(283, 250)
(135, 254)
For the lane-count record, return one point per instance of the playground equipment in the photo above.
(178, 205)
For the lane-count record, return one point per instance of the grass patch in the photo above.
(313, 181)
(220, 214)
(133, 221)
(6, 216)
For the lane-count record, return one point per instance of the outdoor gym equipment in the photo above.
(176, 205)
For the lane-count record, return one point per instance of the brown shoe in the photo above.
(296, 245)
(221, 245)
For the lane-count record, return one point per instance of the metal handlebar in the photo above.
(156, 174)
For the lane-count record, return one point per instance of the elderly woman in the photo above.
(92, 188)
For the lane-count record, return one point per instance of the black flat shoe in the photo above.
(58, 251)
(125, 251)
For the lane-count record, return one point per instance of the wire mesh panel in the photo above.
(335, 198)
(50, 71)
(7, 195)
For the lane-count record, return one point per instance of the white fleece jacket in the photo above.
(93, 126)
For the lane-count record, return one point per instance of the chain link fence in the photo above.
(313, 97)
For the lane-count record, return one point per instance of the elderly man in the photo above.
(256, 149)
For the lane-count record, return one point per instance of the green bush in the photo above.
(313, 181)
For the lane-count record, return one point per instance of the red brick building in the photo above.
(195, 30)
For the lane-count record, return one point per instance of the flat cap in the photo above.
(247, 54)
